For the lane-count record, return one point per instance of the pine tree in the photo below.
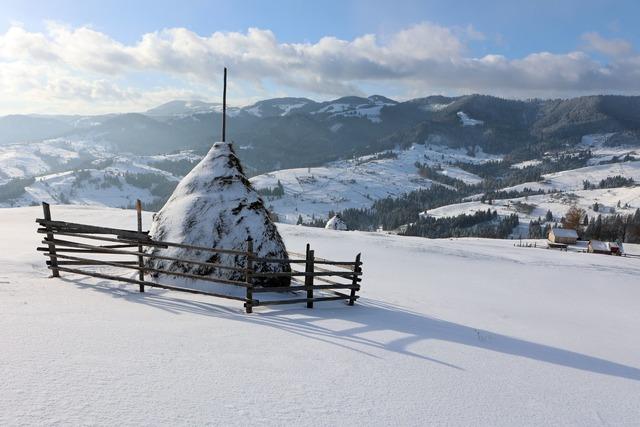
(549, 216)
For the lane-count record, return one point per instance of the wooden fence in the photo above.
(67, 243)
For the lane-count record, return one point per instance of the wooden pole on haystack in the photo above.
(224, 106)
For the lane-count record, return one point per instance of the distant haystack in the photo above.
(215, 206)
(336, 223)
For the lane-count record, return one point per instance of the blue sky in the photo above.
(495, 40)
(522, 26)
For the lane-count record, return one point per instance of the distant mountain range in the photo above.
(299, 132)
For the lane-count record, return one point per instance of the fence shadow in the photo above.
(359, 328)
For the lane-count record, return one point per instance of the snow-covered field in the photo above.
(557, 203)
(358, 183)
(448, 332)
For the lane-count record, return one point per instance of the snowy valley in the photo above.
(90, 172)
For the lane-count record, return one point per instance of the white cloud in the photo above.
(80, 68)
(611, 47)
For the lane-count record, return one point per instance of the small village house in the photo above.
(563, 235)
(615, 248)
(599, 247)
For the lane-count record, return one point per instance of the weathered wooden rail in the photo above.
(67, 254)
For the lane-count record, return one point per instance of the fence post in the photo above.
(52, 247)
(356, 269)
(140, 248)
(248, 303)
(308, 280)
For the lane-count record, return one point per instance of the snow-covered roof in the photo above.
(565, 232)
(336, 223)
(598, 245)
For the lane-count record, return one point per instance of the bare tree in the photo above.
(573, 218)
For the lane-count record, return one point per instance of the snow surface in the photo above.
(35, 158)
(569, 185)
(335, 127)
(595, 140)
(448, 332)
(526, 163)
(435, 107)
(596, 143)
(557, 203)
(287, 108)
(358, 183)
(573, 179)
(468, 121)
(39, 160)
(98, 189)
(256, 110)
(370, 111)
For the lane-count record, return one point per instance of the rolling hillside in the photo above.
(313, 133)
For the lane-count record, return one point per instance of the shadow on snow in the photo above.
(368, 317)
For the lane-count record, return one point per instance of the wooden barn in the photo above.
(564, 236)
(599, 247)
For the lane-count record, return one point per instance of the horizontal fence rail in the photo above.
(67, 255)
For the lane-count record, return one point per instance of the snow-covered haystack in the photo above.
(336, 223)
(215, 206)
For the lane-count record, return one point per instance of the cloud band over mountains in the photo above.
(71, 69)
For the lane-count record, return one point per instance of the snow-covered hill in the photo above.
(447, 332)
(565, 189)
(358, 183)
(573, 179)
(184, 108)
(37, 158)
(87, 172)
(624, 200)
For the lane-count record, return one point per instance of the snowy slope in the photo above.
(92, 173)
(99, 189)
(358, 183)
(103, 187)
(557, 203)
(370, 108)
(569, 184)
(597, 144)
(468, 121)
(439, 338)
(181, 108)
(36, 158)
(573, 179)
